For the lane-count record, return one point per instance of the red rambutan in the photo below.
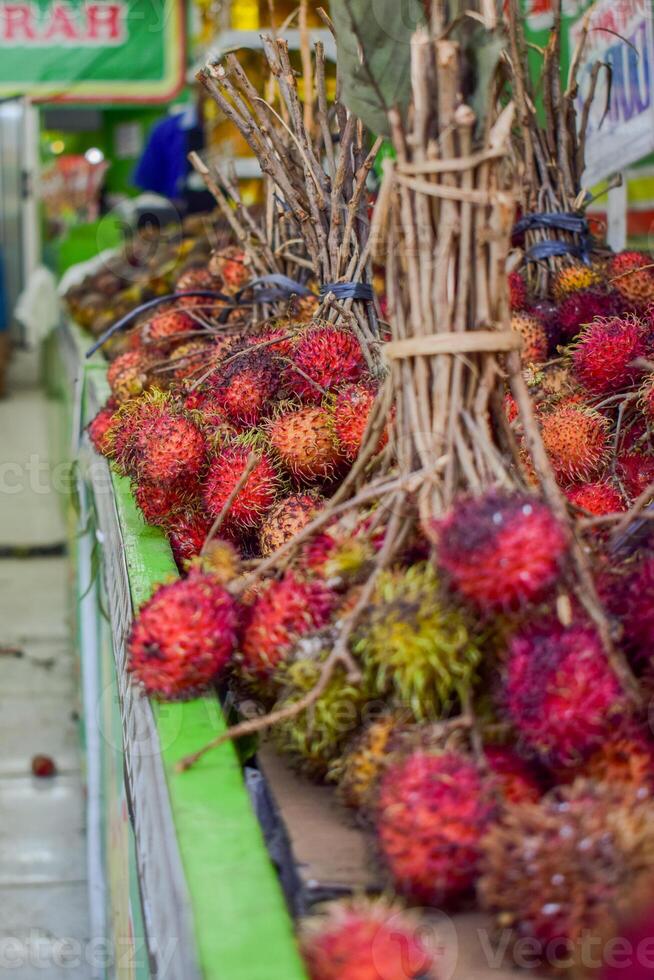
(636, 471)
(170, 326)
(202, 404)
(187, 531)
(281, 334)
(183, 637)
(646, 399)
(245, 387)
(576, 440)
(127, 375)
(599, 498)
(604, 354)
(365, 940)
(285, 611)
(99, 428)
(286, 519)
(168, 449)
(512, 776)
(198, 277)
(432, 812)
(160, 503)
(561, 693)
(534, 338)
(627, 756)
(254, 499)
(582, 308)
(132, 419)
(511, 409)
(326, 357)
(500, 549)
(634, 605)
(351, 412)
(305, 442)
(632, 275)
(517, 291)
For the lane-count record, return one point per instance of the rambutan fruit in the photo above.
(169, 448)
(632, 275)
(636, 472)
(646, 399)
(183, 637)
(286, 519)
(512, 777)
(534, 338)
(560, 691)
(511, 409)
(598, 498)
(414, 647)
(326, 358)
(313, 738)
(220, 559)
(357, 771)
(189, 359)
(170, 326)
(431, 813)
(127, 375)
(306, 445)
(342, 551)
(229, 265)
(633, 603)
(574, 279)
(627, 756)
(276, 339)
(518, 294)
(197, 277)
(604, 354)
(576, 439)
(245, 387)
(204, 410)
(500, 550)
(132, 418)
(580, 309)
(282, 613)
(253, 500)
(160, 503)
(566, 870)
(187, 531)
(99, 428)
(628, 955)
(351, 412)
(362, 939)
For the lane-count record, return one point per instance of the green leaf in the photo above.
(374, 53)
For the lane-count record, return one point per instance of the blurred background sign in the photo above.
(105, 52)
(621, 124)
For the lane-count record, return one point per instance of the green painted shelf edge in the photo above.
(242, 926)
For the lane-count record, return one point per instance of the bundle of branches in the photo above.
(324, 206)
(550, 151)
(445, 212)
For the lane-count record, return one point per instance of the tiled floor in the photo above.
(43, 894)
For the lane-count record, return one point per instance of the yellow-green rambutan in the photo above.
(416, 648)
(312, 739)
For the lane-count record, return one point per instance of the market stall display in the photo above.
(413, 548)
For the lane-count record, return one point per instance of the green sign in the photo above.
(92, 50)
